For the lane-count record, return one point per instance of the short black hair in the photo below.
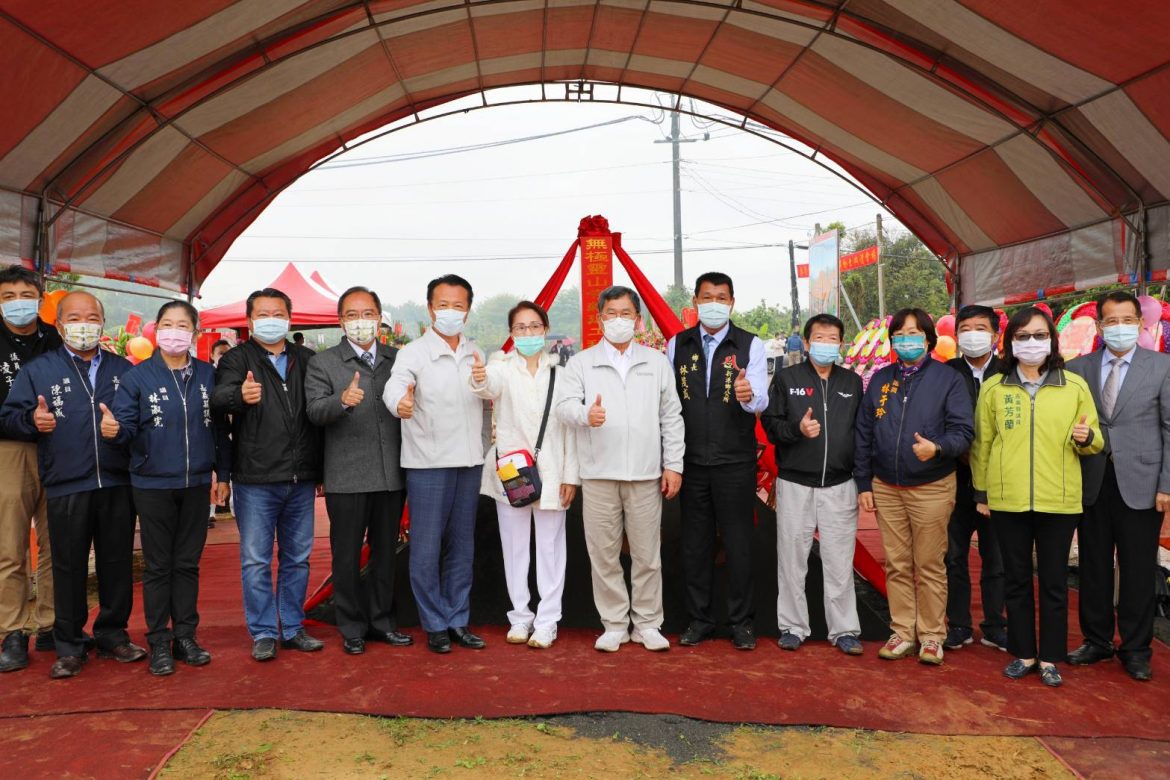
(221, 343)
(1118, 296)
(717, 278)
(18, 273)
(618, 291)
(1019, 320)
(973, 310)
(298, 338)
(823, 319)
(452, 279)
(267, 292)
(187, 308)
(922, 319)
(354, 291)
(530, 306)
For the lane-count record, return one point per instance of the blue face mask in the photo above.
(909, 348)
(714, 314)
(1117, 337)
(822, 353)
(269, 330)
(529, 345)
(20, 312)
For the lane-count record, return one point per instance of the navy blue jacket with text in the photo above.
(74, 458)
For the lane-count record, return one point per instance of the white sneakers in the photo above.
(651, 639)
(542, 638)
(518, 634)
(610, 641)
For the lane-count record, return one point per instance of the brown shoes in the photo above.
(66, 666)
(123, 654)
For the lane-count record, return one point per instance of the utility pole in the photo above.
(795, 293)
(674, 140)
(881, 277)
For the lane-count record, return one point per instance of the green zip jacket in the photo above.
(1024, 458)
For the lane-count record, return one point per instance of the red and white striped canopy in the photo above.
(1027, 140)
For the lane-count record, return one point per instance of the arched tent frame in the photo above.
(994, 137)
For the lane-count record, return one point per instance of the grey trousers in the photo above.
(800, 512)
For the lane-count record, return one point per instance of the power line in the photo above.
(478, 179)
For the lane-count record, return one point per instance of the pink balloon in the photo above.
(1151, 311)
(148, 332)
(1145, 340)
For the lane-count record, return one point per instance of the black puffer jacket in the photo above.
(272, 441)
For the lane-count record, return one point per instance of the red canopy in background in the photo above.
(314, 303)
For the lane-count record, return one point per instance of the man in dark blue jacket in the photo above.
(61, 400)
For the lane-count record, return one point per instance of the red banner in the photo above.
(133, 323)
(802, 270)
(855, 260)
(596, 274)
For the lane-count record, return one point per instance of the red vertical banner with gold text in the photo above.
(596, 273)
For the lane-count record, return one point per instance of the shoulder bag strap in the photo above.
(552, 378)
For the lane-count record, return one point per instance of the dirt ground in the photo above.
(280, 744)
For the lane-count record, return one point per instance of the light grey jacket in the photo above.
(1137, 434)
(362, 443)
(643, 430)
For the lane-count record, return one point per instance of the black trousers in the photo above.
(965, 522)
(1051, 536)
(1108, 525)
(354, 519)
(103, 518)
(719, 498)
(173, 527)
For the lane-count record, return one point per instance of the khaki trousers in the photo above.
(22, 504)
(913, 523)
(611, 508)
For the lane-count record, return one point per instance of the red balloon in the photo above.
(148, 332)
(945, 326)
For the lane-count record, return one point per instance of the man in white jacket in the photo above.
(622, 397)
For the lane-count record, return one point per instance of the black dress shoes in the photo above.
(354, 646)
(126, 653)
(696, 633)
(264, 649)
(1089, 654)
(45, 641)
(438, 642)
(394, 638)
(303, 642)
(743, 637)
(467, 639)
(1138, 669)
(162, 662)
(14, 652)
(66, 666)
(186, 649)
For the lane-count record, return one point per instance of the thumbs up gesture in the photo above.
(597, 413)
(353, 394)
(250, 390)
(406, 405)
(109, 422)
(809, 425)
(743, 388)
(44, 420)
(1081, 432)
(924, 449)
(478, 370)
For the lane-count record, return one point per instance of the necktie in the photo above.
(1112, 383)
(708, 345)
(368, 359)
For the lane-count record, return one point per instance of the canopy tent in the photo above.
(314, 303)
(1028, 144)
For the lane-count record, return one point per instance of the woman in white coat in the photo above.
(518, 383)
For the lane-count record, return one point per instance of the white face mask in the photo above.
(1031, 352)
(714, 314)
(975, 343)
(619, 330)
(361, 331)
(449, 322)
(82, 336)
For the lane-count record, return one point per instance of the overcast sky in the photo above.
(504, 215)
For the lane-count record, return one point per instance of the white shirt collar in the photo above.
(1107, 356)
(718, 335)
(614, 354)
(373, 350)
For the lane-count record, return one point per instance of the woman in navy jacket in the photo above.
(915, 422)
(163, 413)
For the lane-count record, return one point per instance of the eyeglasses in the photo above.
(535, 329)
(1124, 321)
(1021, 337)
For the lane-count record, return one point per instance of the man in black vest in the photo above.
(977, 328)
(721, 375)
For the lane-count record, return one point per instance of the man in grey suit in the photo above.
(364, 486)
(1126, 488)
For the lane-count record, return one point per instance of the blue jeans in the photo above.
(443, 504)
(283, 510)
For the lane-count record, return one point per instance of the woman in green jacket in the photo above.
(1032, 424)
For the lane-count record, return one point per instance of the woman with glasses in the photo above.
(519, 384)
(1033, 422)
(913, 425)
